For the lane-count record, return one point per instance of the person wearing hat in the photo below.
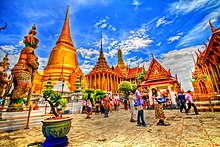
(189, 101)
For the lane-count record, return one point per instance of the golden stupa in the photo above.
(62, 64)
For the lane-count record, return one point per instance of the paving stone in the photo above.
(117, 131)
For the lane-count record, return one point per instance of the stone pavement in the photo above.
(116, 131)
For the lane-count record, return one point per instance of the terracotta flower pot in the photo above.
(55, 131)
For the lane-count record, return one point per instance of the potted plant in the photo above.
(57, 127)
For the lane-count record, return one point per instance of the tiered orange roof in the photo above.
(118, 71)
(212, 49)
(134, 72)
(156, 75)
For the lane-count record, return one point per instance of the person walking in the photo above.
(158, 107)
(182, 101)
(89, 108)
(132, 108)
(189, 101)
(139, 106)
(125, 104)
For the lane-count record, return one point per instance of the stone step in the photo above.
(17, 127)
(17, 115)
(20, 121)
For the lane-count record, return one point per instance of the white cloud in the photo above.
(88, 53)
(162, 21)
(181, 33)
(135, 40)
(134, 44)
(20, 43)
(173, 38)
(86, 67)
(13, 59)
(103, 23)
(110, 27)
(11, 49)
(56, 35)
(89, 2)
(200, 28)
(112, 53)
(158, 44)
(187, 6)
(42, 63)
(181, 63)
(136, 3)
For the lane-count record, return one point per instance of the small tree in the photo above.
(99, 94)
(55, 100)
(88, 94)
(133, 88)
(125, 87)
(141, 75)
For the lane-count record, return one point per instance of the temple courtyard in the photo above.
(116, 130)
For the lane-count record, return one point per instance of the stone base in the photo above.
(57, 142)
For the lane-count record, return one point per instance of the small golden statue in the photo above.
(5, 82)
(23, 71)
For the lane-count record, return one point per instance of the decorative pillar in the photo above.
(99, 87)
(90, 82)
(214, 78)
(209, 76)
(111, 83)
(95, 81)
(215, 81)
(117, 83)
(107, 81)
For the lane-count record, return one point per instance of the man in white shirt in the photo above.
(189, 101)
(139, 105)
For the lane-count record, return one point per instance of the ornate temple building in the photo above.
(161, 79)
(62, 64)
(128, 74)
(102, 76)
(206, 76)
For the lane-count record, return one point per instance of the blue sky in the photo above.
(170, 29)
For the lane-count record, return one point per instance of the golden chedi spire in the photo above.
(65, 36)
(63, 57)
(120, 58)
(121, 63)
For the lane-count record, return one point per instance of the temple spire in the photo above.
(120, 58)
(212, 27)
(193, 59)
(65, 34)
(152, 55)
(101, 50)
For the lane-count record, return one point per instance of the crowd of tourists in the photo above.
(102, 106)
(137, 102)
